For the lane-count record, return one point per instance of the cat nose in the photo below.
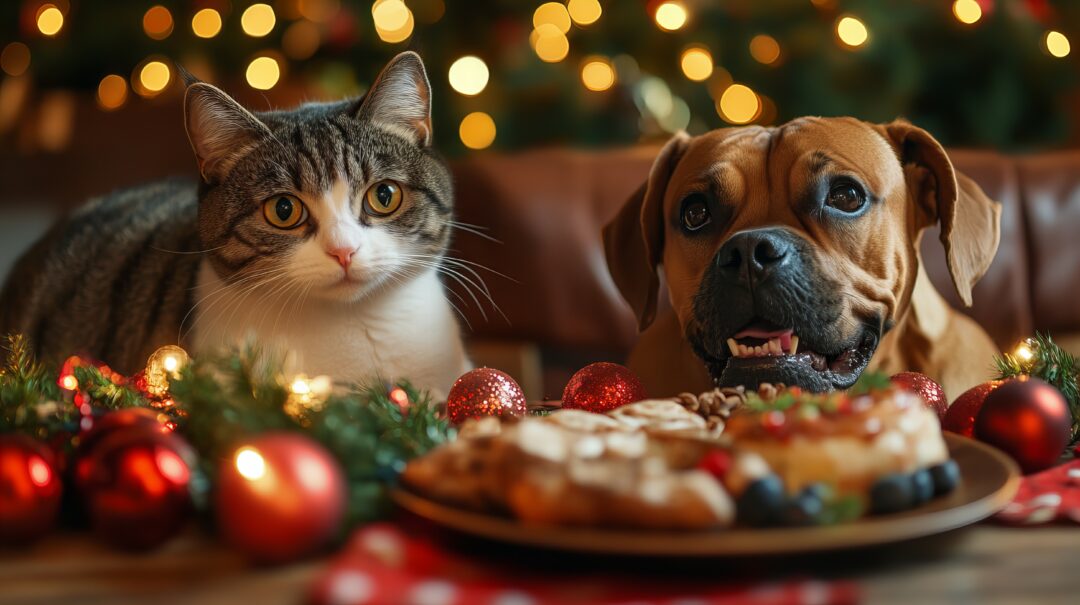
(343, 256)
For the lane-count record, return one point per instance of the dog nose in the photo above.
(751, 256)
(343, 256)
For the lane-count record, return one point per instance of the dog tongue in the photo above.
(766, 334)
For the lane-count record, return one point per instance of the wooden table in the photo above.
(983, 564)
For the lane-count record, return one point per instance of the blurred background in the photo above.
(539, 105)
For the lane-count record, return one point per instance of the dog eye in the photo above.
(846, 197)
(695, 213)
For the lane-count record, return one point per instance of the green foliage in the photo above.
(1048, 362)
(29, 394)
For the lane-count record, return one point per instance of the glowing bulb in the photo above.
(967, 11)
(258, 20)
(469, 75)
(390, 15)
(1057, 44)
(68, 382)
(671, 16)
(250, 464)
(50, 20)
(15, 59)
(154, 77)
(263, 73)
(851, 31)
(552, 13)
(739, 104)
(157, 22)
(206, 23)
(477, 130)
(399, 396)
(1024, 352)
(39, 471)
(584, 12)
(764, 49)
(696, 63)
(550, 44)
(597, 74)
(301, 386)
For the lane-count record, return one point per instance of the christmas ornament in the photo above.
(923, 386)
(1029, 420)
(279, 497)
(960, 417)
(1040, 357)
(134, 483)
(484, 392)
(602, 387)
(29, 489)
(96, 427)
(162, 366)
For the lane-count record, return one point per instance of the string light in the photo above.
(164, 363)
(739, 104)
(157, 22)
(1057, 44)
(764, 49)
(552, 13)
(477, 130)
(967, 11)
(49, 20)
(68, 382)
(549, 43)
(393, 20)
(263, 73)
(206, 23)
(112, 92)
(15, 59)
(258, 20)
(154, 76)
(250, 464)
(301, 40)
(597, 74)
(1023, 352)
(851, 31)
(696, 63)
(584, 12)
(469, 75)
(671, 15)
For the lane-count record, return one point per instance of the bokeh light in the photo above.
(15, 59)
(764, 49)
(477, 130)
(250, 464)
(258, 20)
(967, 11)
(386, 13)
(49, 20)
(739, 104)
(696, 63)
(319, 11)
(549, 43)
(263, 73)
(597, 74)
(584, 12)
(469, 75)
(1057, 44)
(671, 16)
(112, 92)
(851, 31)
(154, 77)
(206, 23)
(157, 22)
(301, 40)
(552, 13)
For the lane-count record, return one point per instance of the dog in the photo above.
(791, 255)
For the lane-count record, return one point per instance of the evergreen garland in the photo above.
(1048, 362)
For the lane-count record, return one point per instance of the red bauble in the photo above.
(279, 497)
(134, 481)
(960, 417)
(484, 392)
(602, 387)
(923, 386)
(30, 489)
(1029, 420)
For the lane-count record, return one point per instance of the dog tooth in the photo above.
(774, 346)
(794, 344)
(759, 351)
(734, 346)
(746, 350)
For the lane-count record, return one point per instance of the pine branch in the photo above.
(1048, 362)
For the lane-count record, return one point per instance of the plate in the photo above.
(989, 480)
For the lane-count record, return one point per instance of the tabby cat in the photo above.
(321, 230)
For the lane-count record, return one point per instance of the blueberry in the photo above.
(922, 486)
(892, 494)
(804, 509)
(946, 477)
(762, 503)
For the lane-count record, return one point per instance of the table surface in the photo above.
(982, 564)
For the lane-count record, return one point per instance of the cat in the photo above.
(320, 230)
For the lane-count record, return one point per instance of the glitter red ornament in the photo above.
(602, 387)
(922, 385)
(1029, 420)
(484, 392)
(30, 489)
(960, 417)
(280, 496)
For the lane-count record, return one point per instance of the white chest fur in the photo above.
(404, 332)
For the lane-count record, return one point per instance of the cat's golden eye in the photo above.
(383, 198)
(285, 211)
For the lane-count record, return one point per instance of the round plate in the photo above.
(989, 480)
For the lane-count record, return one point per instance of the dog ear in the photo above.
(634, 239)
(970, 221)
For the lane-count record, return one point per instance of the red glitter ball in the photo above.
(484, 392)
(602, 387)
(960, 417)
(925, 387)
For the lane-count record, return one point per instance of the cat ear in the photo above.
(220, 130)
(400, 99)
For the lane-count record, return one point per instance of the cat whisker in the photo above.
(472, 229)
(155, 248)
(217, 293)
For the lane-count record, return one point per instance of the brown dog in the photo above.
(791, 254)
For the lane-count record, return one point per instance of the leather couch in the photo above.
(547, 208)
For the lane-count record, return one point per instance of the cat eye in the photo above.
(383, 198)
(285, 212)
(695, 212)
(846, 196)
